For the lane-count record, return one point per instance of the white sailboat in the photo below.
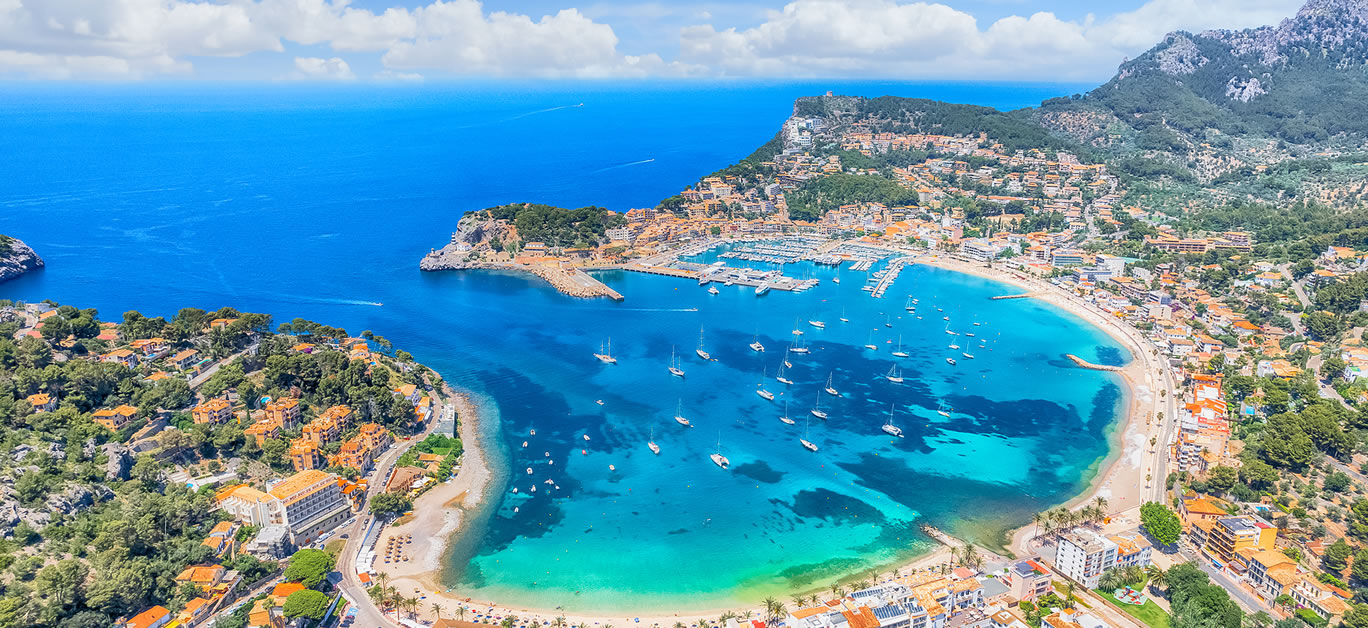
(968, 355)
(679, 415)
(796, 331)
(800, 348)
(786, 418)
(816, 323)
(817, 410)
(843, 316)
(941, 411)
(947, 328)
(837, 278)
(954, 346)
(829, 389)
(889, 427)
(781, 378)
(675, 364)
(605, 355)
(888, 321)
(908, 305)
(719, 459)
(899, 353)
(786, 356)
(755, 344)
(807, 444)
(701, 353)
(871, 346)
(760, 388)
(655, 449)
(894, 375)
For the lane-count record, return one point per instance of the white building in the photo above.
(1083, 556)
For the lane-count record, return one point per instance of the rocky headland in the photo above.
(16, 258)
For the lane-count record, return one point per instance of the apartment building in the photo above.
(213, 412)
(284, 412)
(1083, 555)
(114, 419)
(308, 503)
(1220, 539)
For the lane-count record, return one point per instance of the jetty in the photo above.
(562, 276)
(1024, 295)
(1089, 365)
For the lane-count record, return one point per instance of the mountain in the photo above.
(16, 258)
(1301, 82)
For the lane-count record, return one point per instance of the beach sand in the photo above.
(437, 514)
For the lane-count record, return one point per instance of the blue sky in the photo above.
(410, 40)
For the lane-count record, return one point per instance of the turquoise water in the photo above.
(318, 203)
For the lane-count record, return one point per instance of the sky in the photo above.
(419, 40)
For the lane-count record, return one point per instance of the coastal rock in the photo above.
(16, 258)
(77, 498)
(118, 462)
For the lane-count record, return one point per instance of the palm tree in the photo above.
(412, 604)
(770, 604)
(437, 610)
(747, 614)
(835, 587)
(680, 624)
(1101, 503)
(558, 622)
(861, 585)
(722, 619)
(1069, 596)
(377, 595)
(970, 556)
(1158, 578)
(1036, 518)
(460, 613)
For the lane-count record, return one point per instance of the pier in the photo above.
(1024, 295)
(889, 276)
(1089, 365)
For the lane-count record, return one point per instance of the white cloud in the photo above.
(841, 38)
(320, 68)
(887, 38)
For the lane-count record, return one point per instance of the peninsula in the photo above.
(16, 258)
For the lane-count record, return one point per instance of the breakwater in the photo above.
(1089, 365)
(567, 279)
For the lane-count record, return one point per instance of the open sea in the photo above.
(318, 202)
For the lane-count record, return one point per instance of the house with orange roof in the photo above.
(194, 611)
(206, 577)
(121, 356)
(285, 412)
(154, 617)
(221, 537)
(305, 454)
(113, 419)
(152, 348)
(283, 590)
(262, 430)
(42, 402)
(265, 615)
(212, 412)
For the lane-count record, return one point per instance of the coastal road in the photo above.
(367, 614)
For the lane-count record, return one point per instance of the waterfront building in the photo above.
(213, 412)
(308, 503)
(1027, 580)
(1083, 555)
(360, 451)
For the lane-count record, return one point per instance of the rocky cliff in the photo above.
(16, 258)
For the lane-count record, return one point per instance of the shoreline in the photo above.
(438, 514)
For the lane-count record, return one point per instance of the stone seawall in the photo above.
(568, 280)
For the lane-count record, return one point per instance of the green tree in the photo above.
(1257, 474)
(386, 504)
(1222, 478)
(1336, 557)
(306, 603)
(1161, 523)
(308, 567)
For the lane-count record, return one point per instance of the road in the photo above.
(367, 615)
(1242, 596)
(1300, 290)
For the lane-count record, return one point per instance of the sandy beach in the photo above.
(438, 513)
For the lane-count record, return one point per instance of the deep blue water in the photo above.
(318, 203)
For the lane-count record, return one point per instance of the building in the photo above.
(360, 451)
(308, 503)
(271, 543)
(1083, 555)
(1132, 549)
(284, 412)
(121, 356)
(42, 402)
(220, 538)
(184, 360)
(114, 419)
(1197, 508)
(262, 430)
(194, 611)
(1228, 535)
(305, 454)
(1027, 580)
(154, 617)
(1269, 572)
(213, 412)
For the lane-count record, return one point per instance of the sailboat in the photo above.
(800, 348)
(871, 346)
(717, 458)
(817, 410)
(894, 375)
(947, 329)
(760, 388)
(679, 415)
(701, 353)
(755, 344)
(675, 364)
(816, 323)
(780, 378)
(843, 316)
(888, 322)
(786, 418)
(941, 411)
(829, 389)
(837, 278)
(967, 355)
(606, 355)
(807, 444)
(899, 353)
(655, 449)
(796, 331)
(889, 427)
(908, 305)
(786, 356)
(954, 346)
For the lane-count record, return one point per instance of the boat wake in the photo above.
(634, 163)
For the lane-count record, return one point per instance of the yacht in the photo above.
(605, 355)
(762, 289)
(755, 344)
(701, 353)
(950, 361)
(679, 415)
(941, 411)
(908, 306)
(800, 348)
(719, 459)
(894, 375)
(843, 316)
(954, 346)
(786, 356)
(796, 331)
(829, 389)
(655, 449)
(807, 444)
(760, 388)
(899, 353)
(817, 324)
(948, 331)
(887, 321)
(713, 290)
(817, 410)
(674, 364)
(889, 427)
(968, 355)
(786, 418)
(871, 346)
(977, 324)
(780, 377)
